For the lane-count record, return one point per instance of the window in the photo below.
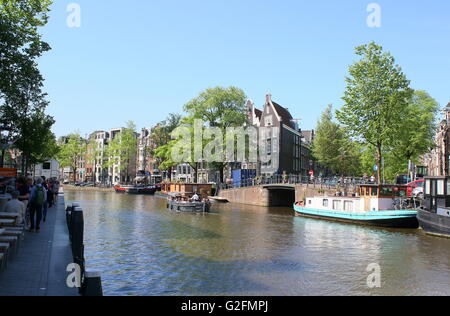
(337, 205)
(440, 187)
(325, 203)
(428, 187)
(46, 166)
(348, 206)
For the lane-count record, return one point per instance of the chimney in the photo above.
(268, 98)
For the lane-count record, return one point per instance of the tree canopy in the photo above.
(376, 99)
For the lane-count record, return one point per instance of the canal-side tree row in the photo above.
(219, 107)
(22, 99)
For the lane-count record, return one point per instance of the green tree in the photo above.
(376, 99)
(36, 140)
(21, 82)
(219, 107)
(72, 150)
(22, 100)
(122, 150)
(161, 138)
(415, 137)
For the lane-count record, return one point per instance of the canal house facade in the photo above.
(286, 150)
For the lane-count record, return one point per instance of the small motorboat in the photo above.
(184, 202)
(374, 205)
(135, 189)
(434, 216)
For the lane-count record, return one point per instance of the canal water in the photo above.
(143, 249)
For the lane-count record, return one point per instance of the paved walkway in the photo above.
(39, 267)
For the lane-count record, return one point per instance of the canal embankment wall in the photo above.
(266, 197)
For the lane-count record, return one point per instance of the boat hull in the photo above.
(391, 219)
(135, 190)
(188, 207)
(434, 224)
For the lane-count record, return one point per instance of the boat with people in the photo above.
(371, 204)
(135, 189)
(434, 215)
(188, 202)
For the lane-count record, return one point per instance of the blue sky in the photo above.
(143, 59)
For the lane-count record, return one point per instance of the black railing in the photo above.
(319, 182)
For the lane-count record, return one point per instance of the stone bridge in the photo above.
(270, 195)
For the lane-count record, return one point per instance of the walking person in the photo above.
(37, 201)
(56, 186)
(50, 195)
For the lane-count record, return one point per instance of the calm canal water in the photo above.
(143, 249)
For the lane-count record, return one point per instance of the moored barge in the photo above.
(434, 215)
(374, 205)
(135, 189)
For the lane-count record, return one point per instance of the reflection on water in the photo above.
(143, 249)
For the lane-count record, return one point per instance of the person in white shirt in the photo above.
(17, 207)
(195, 197)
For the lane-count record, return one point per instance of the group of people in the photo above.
(31, 201)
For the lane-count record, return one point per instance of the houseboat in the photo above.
(184, 202)
(135, 189)
(375, 205)
(434, 215)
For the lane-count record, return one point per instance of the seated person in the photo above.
(16, 207)
(195, 197)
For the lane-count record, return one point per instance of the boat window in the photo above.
(428, 187)
(337, 205)
(440, 187)
(325, 203)
(387, 191)
(367, 191)
(448, 187)
(309, 202)
(348, 206)
(374, 191)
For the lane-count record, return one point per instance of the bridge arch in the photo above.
(281, 195)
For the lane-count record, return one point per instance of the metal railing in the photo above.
(319, 182)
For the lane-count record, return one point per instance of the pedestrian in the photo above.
(37, 200)
(56, 186)
(45, 207)
(50, 195)
(16, 207)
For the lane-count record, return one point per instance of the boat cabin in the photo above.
(436, 193)
(368, 198)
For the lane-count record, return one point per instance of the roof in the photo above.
(284, 114)
(308, 135)
(258, 113)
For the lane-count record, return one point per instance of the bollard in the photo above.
(77, 228)
(68, 214)
(92, 285)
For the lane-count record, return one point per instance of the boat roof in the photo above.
(383, 185)
(179, 193)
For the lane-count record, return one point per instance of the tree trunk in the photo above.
(221, 174)
(379, 160)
